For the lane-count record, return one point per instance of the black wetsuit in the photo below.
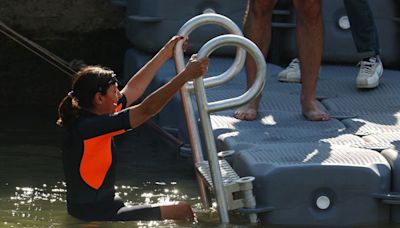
(89, 167)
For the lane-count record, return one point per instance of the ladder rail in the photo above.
(191, 122)
(252, 92)
(231, 27)
(205, 108)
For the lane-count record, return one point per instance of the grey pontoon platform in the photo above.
(320, 173)
(337, 172)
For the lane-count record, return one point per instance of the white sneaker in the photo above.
(291, 73)
(370, 73)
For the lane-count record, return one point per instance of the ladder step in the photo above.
(229, 176)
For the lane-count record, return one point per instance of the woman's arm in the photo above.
(153, 103)
(139, 82)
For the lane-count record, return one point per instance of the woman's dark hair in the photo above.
(87, 82)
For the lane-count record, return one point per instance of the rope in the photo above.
(38, 50)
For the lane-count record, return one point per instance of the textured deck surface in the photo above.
(361, 118)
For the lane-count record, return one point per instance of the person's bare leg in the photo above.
(176, 211)
(310, 44)
(257, 27)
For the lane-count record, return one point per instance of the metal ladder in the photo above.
(224, 186)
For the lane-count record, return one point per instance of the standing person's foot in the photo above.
(370, 73)
(312, 112)
(248, 111)
(291, 73)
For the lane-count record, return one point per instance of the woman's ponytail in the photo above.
(68, 110)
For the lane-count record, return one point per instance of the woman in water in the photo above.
(95, 111)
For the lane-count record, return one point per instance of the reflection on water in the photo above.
(44, 206)
(33, 191)
(33, 206)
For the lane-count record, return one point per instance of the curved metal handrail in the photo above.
(205, 108)
(200, 84)
(254, 51)
(230, 26)
(191, 122)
